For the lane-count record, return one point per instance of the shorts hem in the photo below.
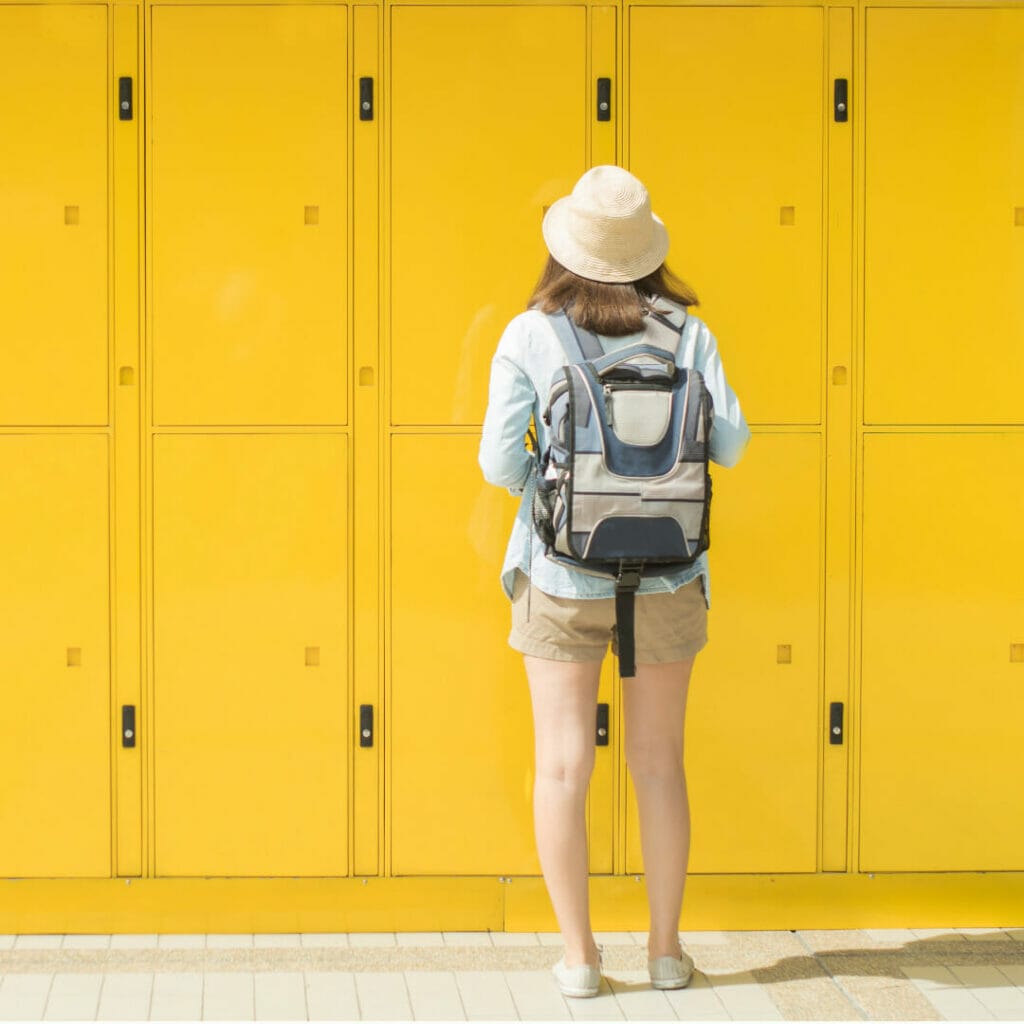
(556, 652)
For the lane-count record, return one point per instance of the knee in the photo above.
(654, 762)
(570, 773)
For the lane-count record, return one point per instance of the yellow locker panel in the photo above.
(753, 719)
(944, 216)
(251, 654)
(53, 214)
(461, 729)
(731, 149)
(55, 730)
(942, 689)
(488, 125)
(249, 214)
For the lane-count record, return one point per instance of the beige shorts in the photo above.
(667, 627)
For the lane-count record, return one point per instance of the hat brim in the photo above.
(555, 230)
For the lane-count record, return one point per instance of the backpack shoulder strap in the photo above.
(578, 343)
(660, 331)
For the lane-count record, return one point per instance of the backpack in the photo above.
(623, 490)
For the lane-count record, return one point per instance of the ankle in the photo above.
(664, 947)
(576, 957)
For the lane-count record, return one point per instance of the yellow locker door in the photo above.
(733, 153)
(489, 123)
(53, 212)
(55, 730)
(944, 216)
(753, 726)
(250, 662)
(248, 219)
(942, 688)
(248, 215)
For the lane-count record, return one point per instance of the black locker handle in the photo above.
(366, 725)
(124, 98)
(602, 725)
(365, 99)
(835, 722)
(127, 725)
(840, 101)
(604, 99)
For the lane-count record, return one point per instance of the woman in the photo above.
(606, 268)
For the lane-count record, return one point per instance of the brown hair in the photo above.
(606, 308)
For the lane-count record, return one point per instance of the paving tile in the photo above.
(277, 940)
(615, 938)
(125, 997)
(141, 940)
(698, 1001)
(7, 941)
(315, 940)
(372, 939)
(229, 940)
(890, 936)
(603, 1006)
(550, 938)
(940, 986)
(50, 941)
(536, 998)
(991, 987)
(73, 996)
(382, 995)
(28, 1007)
(984, 934)
(419, 939)
(467, 938)
(637, 1000)
(177, 996)
(515, 939)
(181, 940)
(702, 939)
(485, 995)
(86, 941)
(434, 995)
(280, 995)
(228, 995)
(331, 995)
(743, 997)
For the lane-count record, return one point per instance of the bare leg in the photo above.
(654, 708)
(564, 695)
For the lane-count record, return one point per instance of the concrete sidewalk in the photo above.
(933, 974)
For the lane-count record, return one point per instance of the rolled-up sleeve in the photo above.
(504, 457)
(730, 434)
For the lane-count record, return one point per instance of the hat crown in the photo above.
(605, 228)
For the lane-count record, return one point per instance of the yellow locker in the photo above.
(248, 214)
(732, 152)
(460, 737)
(55, 730)
(943, 653)
(753, 725)
(250, 661)
(54, 213)
(488, 124)
(944, 216)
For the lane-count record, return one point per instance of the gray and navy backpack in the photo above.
(623, 490)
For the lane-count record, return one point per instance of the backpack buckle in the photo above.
(628, 577)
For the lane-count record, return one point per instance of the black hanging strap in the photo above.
(625, 592)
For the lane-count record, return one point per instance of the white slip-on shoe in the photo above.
(670, 971)
(581, 980)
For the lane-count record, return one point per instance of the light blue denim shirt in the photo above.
(528, 355)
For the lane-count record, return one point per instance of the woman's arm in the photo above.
(730, 434)
(503, 456)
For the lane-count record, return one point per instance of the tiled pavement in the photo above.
(932, 974)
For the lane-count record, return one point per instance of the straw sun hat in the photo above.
(605, 230)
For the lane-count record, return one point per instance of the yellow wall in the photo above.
(245, 338)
